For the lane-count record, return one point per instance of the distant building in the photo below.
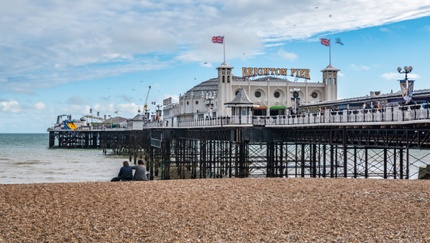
(268, 90)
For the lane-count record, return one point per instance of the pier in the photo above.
(385, 143)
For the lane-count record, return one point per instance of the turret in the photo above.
(225, 78)
(329, 77)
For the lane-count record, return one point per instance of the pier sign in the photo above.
(258, 71)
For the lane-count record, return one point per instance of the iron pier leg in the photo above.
(332, 161)
(366, 164)
(395, 164)
(296, 160)
(281, 159)
(401, 163)
(345, 161)
(324, 161)
(314, 160)
(385, 164)
(407, 163)
(355, 162)
(303, 161)
(230, 159)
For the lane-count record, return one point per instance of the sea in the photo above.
(27, 158)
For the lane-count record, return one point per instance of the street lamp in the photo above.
(295, 98)
(406, 85)
(406, 70)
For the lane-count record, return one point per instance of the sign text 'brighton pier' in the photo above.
(258, 71)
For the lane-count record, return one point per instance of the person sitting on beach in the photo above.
(125, 173)
(140, 173)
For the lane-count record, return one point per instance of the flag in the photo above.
(410, 88)
(404, 89)
(339, 41)
(218, 39)
(325, 41)
(91, 111)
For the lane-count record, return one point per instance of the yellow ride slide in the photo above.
(72, 125)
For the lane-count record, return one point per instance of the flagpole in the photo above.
(223, 44)
(329, 52)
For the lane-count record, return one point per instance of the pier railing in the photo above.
(374, 115)
(389, 114)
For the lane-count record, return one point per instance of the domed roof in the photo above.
(206, 86)
(210, 85)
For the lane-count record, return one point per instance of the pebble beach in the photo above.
(218, 210)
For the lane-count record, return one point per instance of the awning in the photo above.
(278, 107)
(259, 107)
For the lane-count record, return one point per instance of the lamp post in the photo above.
(295, 97)
(406, 85)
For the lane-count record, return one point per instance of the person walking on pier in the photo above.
(140, 173)
(125, 173)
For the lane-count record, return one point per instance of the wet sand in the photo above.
(218, 210)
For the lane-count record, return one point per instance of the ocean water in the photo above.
(26, 158)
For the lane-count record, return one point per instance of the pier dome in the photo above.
(206, 86)
(212, 84)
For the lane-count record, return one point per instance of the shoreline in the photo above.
(217, 210)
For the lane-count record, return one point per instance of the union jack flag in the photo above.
(218, 39)
(325, 41)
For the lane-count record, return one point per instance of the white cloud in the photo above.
(39, 105)
(398, 76)
(287, 55)
(10, 106)
(360, 67)
(51, 44)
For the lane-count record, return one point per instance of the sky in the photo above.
(67, 57)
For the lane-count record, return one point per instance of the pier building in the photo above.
(252, 126)
(270, 91)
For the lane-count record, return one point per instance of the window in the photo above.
(188, 102)
(257, 94)
(277, 94)
(197, 102)
(314, 95)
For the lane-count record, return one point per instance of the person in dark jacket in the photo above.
(125, 173)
